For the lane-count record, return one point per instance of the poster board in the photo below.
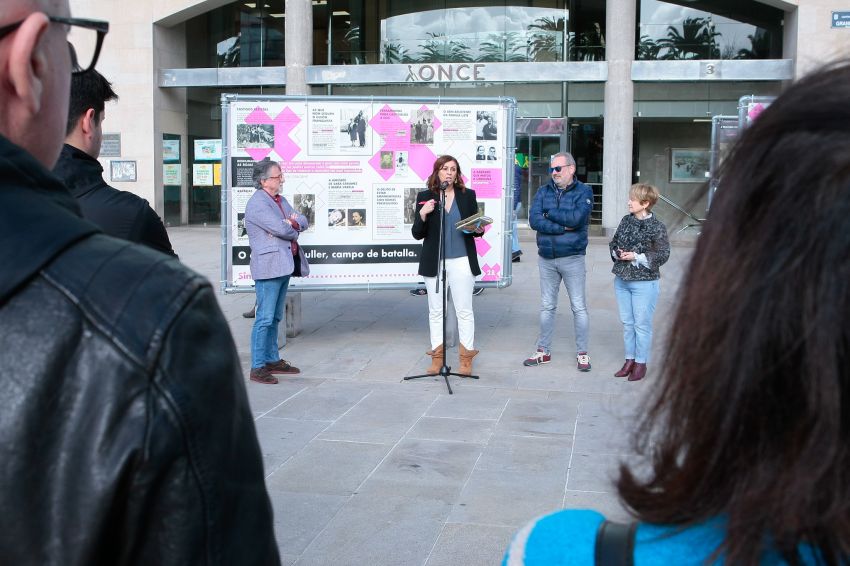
(749, 108)
(353, 167)
(724, 132)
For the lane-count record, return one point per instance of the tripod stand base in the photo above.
(444, 372)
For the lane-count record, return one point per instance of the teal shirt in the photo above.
(568, 538)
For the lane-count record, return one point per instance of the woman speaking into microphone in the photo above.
(460, 254)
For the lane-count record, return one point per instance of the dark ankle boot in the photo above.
(626, 369)
(638, 371)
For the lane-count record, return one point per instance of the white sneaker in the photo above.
(537, 358)
(583, 361)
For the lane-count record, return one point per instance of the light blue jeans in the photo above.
(636, 300)
(571, 270)
(271, 301)
(514, 231)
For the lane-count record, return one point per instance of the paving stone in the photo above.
(468, 403)
(264, 398)
(382, 417)
(603, 434)
(281, 438)
(593, 472)
(300, 517)
(496, 497)
(470, 545)
(330, 467)
(453, 429)
(325, 402)
(527, 454)
(391, 530)
(426, 469)
(539, 418)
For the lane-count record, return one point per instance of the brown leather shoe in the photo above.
(626, 369)
(263, 375)
(638, 372)
(282, 367)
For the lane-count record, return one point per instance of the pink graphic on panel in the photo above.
(487, 183)
(490, 272)
(283, 124)
(481, 245)
(435, 122)
(283, 144)
(394, 131)
(258, 116)
(395, 134)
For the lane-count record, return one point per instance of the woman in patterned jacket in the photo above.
(639, 248)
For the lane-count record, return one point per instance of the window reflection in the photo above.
(672, 31)
(474, 34)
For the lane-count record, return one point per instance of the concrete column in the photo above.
(620, 21)
(298, 45)
(170, 115)
(299, 55)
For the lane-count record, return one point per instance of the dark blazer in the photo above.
(429, 230)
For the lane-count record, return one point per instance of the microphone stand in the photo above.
(445, 370)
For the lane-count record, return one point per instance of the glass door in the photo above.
(537, 139)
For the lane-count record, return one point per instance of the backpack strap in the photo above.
(615, 544)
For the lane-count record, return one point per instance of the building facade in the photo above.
(628, 86)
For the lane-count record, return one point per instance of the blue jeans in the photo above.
(271, 300)
(636, 300)
(514, 232)
(571, 270)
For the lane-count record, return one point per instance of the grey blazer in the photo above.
(270, 234)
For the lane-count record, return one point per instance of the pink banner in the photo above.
(487, 183)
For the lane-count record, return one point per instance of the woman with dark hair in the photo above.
(461, 258)
(747, 440)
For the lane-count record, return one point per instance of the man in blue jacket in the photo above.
(560, 214)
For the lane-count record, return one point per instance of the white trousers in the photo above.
(461, 281)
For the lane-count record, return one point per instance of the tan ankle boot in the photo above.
(437, 356)
(466, 360)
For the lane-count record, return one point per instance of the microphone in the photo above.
(444, 185)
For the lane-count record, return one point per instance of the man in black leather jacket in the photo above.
(125, 431)
(118, 213)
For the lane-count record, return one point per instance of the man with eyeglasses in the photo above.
(560, 213)
(125, 431)
(118, 213)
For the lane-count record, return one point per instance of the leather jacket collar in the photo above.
(38, 217)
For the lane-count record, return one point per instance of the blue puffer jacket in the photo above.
(560, 217)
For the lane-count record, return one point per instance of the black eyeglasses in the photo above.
(558, 168)
(85, 40)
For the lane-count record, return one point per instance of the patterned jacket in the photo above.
(647, 237)
(270, 237)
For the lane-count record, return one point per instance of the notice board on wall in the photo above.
(353, 167)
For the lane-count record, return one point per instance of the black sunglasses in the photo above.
(90, 45)
(558, 168)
